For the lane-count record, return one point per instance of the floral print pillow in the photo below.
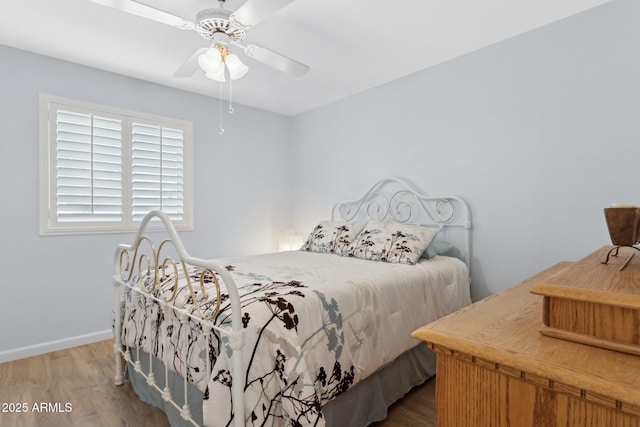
(391, 242)
(331, 237)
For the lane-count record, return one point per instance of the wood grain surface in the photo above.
(497, 341)
(596, 304)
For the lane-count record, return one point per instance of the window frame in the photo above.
(49, 224)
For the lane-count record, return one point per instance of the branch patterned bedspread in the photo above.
(315, 325)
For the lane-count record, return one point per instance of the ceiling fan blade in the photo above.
(139, 9)
(276, 60)
(254, 11)
(190, 66)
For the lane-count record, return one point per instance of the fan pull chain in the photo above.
(230, 96)
(220, 128)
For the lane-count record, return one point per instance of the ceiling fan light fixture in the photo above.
(223, 29)
(237, 69)
(217, 76)
(211, 61)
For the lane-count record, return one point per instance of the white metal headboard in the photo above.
(395, 200)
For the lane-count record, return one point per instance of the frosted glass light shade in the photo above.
(217, 76)
(211, 61)
(237, 69)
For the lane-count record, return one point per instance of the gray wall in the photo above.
(539, 133)
(58, 287)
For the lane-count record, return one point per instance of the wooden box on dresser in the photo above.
(495, 368)
(595, 303)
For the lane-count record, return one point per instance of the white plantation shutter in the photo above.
(89, 167)
(104, 169)
(157, 170)
(173, 173)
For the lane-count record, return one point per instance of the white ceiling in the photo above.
(350, 45)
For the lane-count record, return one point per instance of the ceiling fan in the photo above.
(224, 29)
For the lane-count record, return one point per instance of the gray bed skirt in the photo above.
(361, 405)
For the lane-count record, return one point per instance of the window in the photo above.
(103, 169)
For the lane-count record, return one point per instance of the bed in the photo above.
(316, 336)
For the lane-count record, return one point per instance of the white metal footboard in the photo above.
(142, 272)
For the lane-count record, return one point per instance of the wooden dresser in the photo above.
(495, 368)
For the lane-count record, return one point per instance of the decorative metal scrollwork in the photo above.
(374, 204)
(161, 276)
(404, 202)
(402, 206)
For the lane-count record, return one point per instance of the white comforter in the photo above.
(316, 324)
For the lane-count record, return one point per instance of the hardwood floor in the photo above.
(75, 387)
(416, 409)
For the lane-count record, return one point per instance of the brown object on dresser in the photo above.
(594, 303)
(495, 368)
(623, 225)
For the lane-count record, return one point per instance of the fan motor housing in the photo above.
(212, 21)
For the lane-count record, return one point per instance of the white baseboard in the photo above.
(49, 346)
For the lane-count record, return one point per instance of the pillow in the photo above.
(331, 236)
(438, 246)
(391, 242)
